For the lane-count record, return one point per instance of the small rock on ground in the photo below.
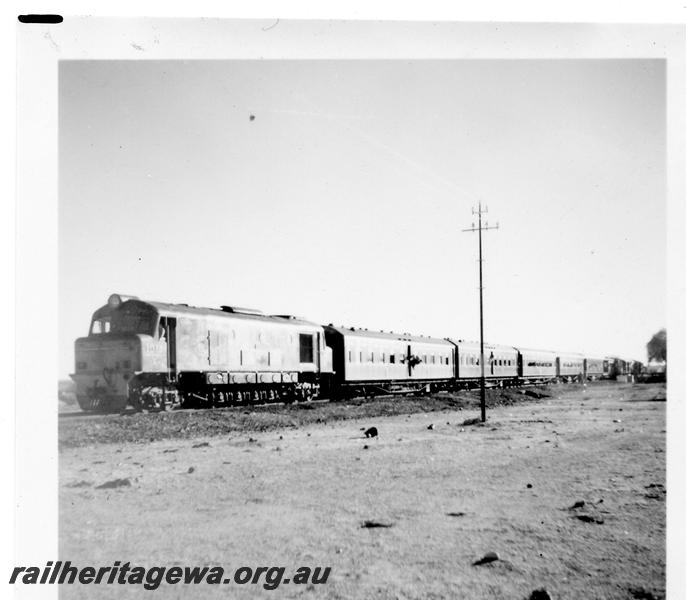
(489, 557)
(114, 483)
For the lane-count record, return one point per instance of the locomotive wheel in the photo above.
(136, 402)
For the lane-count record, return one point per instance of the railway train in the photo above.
(155, 355)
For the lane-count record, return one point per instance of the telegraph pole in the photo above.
(482, 381)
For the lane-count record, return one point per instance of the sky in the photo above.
(344, 199)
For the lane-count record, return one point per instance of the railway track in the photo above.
(131, 411)
(78, 414)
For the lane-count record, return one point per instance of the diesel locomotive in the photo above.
(158, 355)
(155, 355)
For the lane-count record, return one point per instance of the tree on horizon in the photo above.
(657, 346)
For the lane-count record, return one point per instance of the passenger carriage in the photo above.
(593, 368)
(500, 362)
(535, 365)
(570, 366)
(368, 362)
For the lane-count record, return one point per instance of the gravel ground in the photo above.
(77, 428)
(295, 488)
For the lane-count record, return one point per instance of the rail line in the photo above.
(78, 414)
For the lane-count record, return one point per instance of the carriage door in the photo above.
(409, 360)
(319, 351)
(169, 324)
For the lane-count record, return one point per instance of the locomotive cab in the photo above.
(124, 339)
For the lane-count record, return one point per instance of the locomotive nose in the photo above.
(104, 367)
(118, 354)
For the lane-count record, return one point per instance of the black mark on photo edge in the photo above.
(41, 19)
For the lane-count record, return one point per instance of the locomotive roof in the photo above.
(387, 335)
(166, 307)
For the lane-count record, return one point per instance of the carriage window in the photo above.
(372, 356)
(306, 348)
(350, 356)
(100, 326)
(433, 359)
(391, 358)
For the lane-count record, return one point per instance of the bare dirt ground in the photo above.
(298, 492)
(78, 428)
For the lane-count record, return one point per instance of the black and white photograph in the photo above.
(348, 309)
